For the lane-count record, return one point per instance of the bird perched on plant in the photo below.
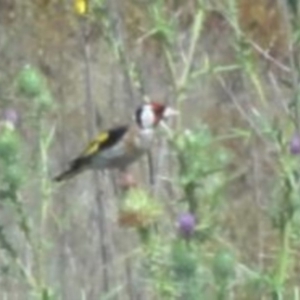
(118, 147)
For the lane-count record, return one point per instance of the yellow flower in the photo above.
(81, 6)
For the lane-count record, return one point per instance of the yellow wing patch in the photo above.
(95, 145)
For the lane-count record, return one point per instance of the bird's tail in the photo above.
(74, 169)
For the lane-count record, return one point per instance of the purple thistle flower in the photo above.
(295, 144)
(186, 224)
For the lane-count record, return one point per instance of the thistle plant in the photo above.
(295, 144)
(285, 209)
(139, 210)
(224, 271)
(186, 225)
(15, 176)
(12, 175)
(31, 84)
(201, 171)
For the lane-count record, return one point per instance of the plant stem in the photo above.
(283, 261)
(293, 62)
(196, 30)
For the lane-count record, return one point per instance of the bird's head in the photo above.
(151, 114)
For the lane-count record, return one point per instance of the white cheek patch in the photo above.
(147, 117)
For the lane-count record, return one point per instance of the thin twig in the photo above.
(269, 57)
(293, 61)
(90, 111)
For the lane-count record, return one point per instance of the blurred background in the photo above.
(216, 211)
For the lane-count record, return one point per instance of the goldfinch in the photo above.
(118, 147)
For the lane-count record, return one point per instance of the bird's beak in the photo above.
(170, 112)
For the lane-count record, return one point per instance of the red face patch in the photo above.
(158, 109)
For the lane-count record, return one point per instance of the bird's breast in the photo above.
(130, 149)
